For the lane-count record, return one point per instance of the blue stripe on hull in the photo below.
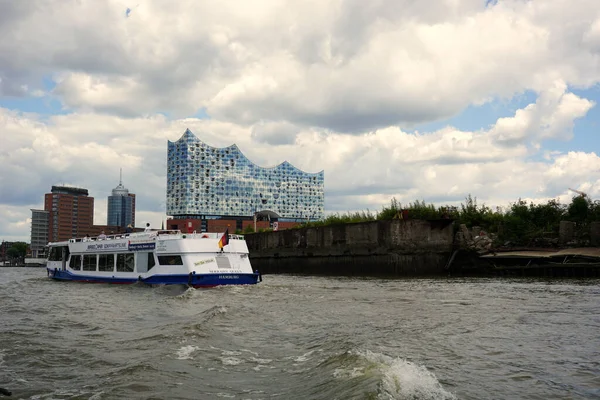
(194, 280)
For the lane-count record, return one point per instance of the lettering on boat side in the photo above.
(215, 271)
(201, 262)
(106, 246)
(161, 246)
(229, 277)
(141, 246)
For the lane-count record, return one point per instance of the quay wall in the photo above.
(395, 248)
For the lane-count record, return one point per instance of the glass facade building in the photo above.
(205, 181)
(121, 207)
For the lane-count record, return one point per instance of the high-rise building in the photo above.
(70, 212)
(121, 206)
(39, 232)
(207, 183)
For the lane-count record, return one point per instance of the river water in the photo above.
(298, 337)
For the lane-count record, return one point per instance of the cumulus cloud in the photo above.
(340, 65)
(362, 171)
(274, 132)
(551, 117)
(327, 85)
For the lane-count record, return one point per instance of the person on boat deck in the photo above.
(102, 236)
(147, 229)
(129, 229)
(86, 238)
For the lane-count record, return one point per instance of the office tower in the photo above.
(70, 212)
(39, 232)
(121, 206)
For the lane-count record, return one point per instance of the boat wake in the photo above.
(401, 379)
(382, 377)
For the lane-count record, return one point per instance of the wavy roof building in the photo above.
(207, 182)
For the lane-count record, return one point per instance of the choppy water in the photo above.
(295, 337)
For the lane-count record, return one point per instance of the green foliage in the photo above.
(249, 229)
(521, 223)
(579, 209)
(390, 212)
(17, 250)
(421, 210)
(333, 219)
(594, 211)
(472, 214)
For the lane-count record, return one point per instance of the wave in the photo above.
(185, 352)
(402, 379)
(367, 374)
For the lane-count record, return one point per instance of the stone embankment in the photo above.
(419, 248)
(392, 248)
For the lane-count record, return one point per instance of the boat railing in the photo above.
(212, 235)
(162, 234)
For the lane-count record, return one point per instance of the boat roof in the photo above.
(163, 234)
(137, 235)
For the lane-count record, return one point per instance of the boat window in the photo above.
(151, 261)
(55, 254)
(106, 262)
(170, 260)
(75, 262)
(125, 262)
(89, 262)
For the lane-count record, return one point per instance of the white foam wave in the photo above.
(402, 379)
(185, 353)
(347, 373)
(304, 357)
(231, 353)
(187, 293)
(231, 361)
(225, 395)
(214, 311)
(260, 360)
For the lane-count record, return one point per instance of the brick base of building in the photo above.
(189, 225)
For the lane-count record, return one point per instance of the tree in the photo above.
(17, 250)
(578, 209)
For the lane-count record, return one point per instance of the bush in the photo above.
(521, 223)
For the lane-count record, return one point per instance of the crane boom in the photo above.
(582, 194)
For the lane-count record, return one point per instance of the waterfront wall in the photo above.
(396, 248)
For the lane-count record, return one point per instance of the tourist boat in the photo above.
(156, 258)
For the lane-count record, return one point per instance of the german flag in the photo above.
(224, 241)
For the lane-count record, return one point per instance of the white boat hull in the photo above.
(156, 258)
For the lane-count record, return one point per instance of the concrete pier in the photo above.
(395, 248)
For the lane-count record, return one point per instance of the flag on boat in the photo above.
(224, 241)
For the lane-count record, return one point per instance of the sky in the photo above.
(391, 98)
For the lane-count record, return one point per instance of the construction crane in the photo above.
(582, 194)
